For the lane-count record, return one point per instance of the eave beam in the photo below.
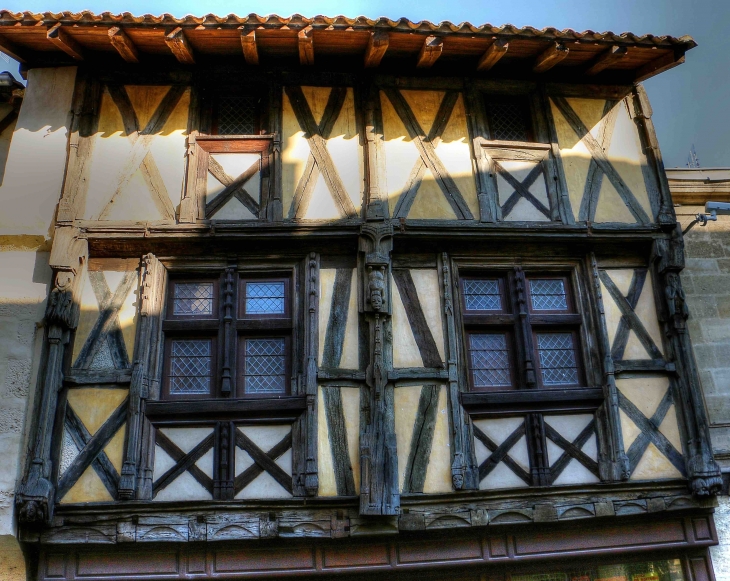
(550, 57)
(492, 55)
(606, 59)
(10, 49)
(306, 46)
(123, 45)
(58, 36)
(180, 46)
(659, 65)
(250, 49)
(377, 46)
(431, 50)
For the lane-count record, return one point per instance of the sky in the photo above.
(691, 102)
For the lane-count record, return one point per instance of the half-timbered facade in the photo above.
(348, 297)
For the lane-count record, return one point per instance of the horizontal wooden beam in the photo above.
(123, 44)
(13, 51)
(431, 50)
(306, 46)
(659, 65)
(58, 36)
(492, 55)
(606, 59)
(180, 46)
(550, 57)
(284, 409)
(250, 49)
(377, 46)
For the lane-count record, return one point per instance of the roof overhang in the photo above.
(56, 39)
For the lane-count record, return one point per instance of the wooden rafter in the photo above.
(493, 54)
(550, 57)
(318, 146)
(431, 50)
(178, 43)
(58, 36)
(659, 65)
(377, 47)
(305, 42)
(249, 47)
(9, 48)
(123, 44)
(606, 59)
(427, 151)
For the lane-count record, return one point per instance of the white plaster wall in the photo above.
(33, 177)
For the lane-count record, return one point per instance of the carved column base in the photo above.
(35, 498)
(615, 471)
(127, 481)
(705, 477)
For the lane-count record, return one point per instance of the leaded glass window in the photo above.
(482, 295)
(548, 294)
(490, 360)
(264, 368)
(193, 298)
(190, 366)
(265, 298)
(509, 119)
(238, 114)
(558, 363)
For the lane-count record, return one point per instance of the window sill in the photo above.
(283, 410)
(533, 400)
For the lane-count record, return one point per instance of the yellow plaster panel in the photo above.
(350, 347)
(646, 311)
(430, 202)
(399, 151)
(88, 488)
(670, 428)
(115, 448)
(438, 473)
(654, 464)
(629, 429)
(94, 405)
(428, 289)
(326, 288)
(406, 407)
(622, 279)
(294, 153)
(145, 99)
(644, 392)
(317, 98)
(611, 208)
(627, 158)
(327, 484)
(425, 105)
(351, 411)
(128, 313)
(89, 313)
(405, 349)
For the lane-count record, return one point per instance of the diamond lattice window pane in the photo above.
(482, 295)
(557, 358)
(548, 294)
(265, 365)
(264, 298)
(193, 298)
(237, 115)
(507, 121)
(190, 366)
(489, 360)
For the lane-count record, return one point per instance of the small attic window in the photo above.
(237, 114)
(509, 119)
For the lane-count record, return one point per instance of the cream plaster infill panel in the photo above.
(405, 408)
(428, 289)
(438, 473)
(325, 466)
(405, 348)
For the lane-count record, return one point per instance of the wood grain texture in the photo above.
(422, 439)
(249, 46)
(493, 54)
(431, 50)
(123, 44)
(376, 49)
(305, 43)
(550, 57)
(607, 59)
(179, 45)
(59, 36)
(337, 427)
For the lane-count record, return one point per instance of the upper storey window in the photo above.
(509, 119)
(237, 114)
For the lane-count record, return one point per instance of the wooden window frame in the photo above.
(240, 359)
(248, 277)
(214, 387)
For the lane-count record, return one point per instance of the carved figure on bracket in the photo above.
(376, 287)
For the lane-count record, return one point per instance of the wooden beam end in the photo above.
(606, 59)
(492, 55)
(249, 46)
(550, 57)
(377, 47)
(58, 36)
(123, 44)
(306, 46)
(431, 50)
(180, 46)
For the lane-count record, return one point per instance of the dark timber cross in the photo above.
(521, 189)
(264, 461)
(572, 450)
(319, 160)
(500, 453)
(141, 158)
(91, 450)
(107, 328)
(183, 462)
(234, 188)
(629, 319)
(426, 146)
(600, 164)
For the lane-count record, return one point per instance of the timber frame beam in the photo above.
(178, 43)
(123, 45)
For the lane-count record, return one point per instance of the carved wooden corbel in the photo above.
(35, 497)
(379, 494)
(705, 478)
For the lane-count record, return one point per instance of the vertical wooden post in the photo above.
(375, 200)
(705, 478)
(143, 368)
(614, 466)
(224, 464)
(483, 170)
(274, 209)
(35, 497)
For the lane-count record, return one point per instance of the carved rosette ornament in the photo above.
(705, 478)
(36, 494)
